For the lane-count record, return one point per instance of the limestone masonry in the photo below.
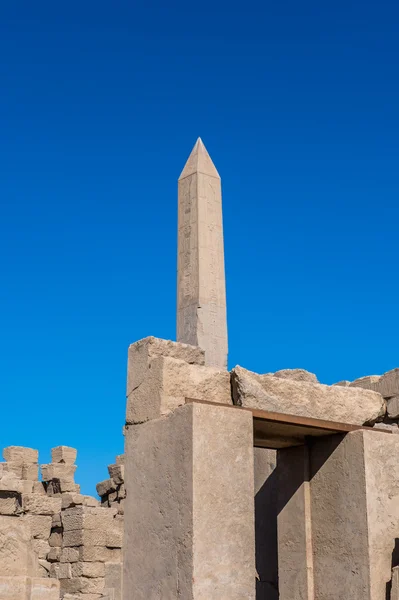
(234, 485)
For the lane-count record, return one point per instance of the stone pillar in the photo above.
(295, 554)
(189, 512)
(353, 515)
(201, 288)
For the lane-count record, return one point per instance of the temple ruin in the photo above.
(234, 485)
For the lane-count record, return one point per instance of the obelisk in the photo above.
(201, 285)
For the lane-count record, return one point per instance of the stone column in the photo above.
(189, 512)
(201, 288)
(294, 524)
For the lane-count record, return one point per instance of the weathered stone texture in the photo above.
(296, 375)
(335, 403)
(169, 382)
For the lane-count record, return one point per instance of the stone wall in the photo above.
(55, 542)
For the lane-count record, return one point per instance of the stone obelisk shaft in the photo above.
(201, 286)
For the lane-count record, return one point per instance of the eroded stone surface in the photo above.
(169, 382)
(346, 405)
(296, 375)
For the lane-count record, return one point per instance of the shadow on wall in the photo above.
(395, 563)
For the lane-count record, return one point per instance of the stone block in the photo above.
(388, 385)
(69, 555)
(54, 554)
(296, 375)
(20, 455)
(10, 483)
(85, 537)
(10, 503)
(355, 406)
(41, 505)
(105, 487)
(70, 499)
(99, 554)
(114, 539)
(112, 497)
(193, 488)
(61, 570)
(56, 520)
(393, 407)
(40, 526)
(121, 491)
(65, 472)
(16, 554)
(56, 537)
(41, 548)
(44, 589)
(120, 459)
(43, 568)
(141, 353)
(369, 382)
(85, 517)
(27, 486)
(30, 472)
(38, 488)
(167, 385)
(88, 569)
(13, 468)
(63, 454)
(117, 473)
(84, 585)
(14, 588)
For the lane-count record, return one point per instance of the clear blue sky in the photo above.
(100, 104)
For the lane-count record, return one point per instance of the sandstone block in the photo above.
(88, 569)
(99, 554)
(38, 488)
(56, 520)
(56, 537)
(120, 459)
(370, 382)
(27, 486)
(121, 507)
(16, 554)
(169, 382)
(296, 375)
(141, 353)
(117, 473)
(86, 537)
(69, 555)
(65, 472)
(85, 517)
(20, 455)
(61, 571)
(105, 487)
(114, 539)
(92, 585)
(54, 554)
(43, 568)
(112, 497)
(14, 588)
(10, 503)
(63, 454)
(388, 384)
(30, 472)
(9, 483)
(41, 548)
(393, 407)
(122, 491)
(41, 505)
(40, 526)
(13, 468)
(346, 405)
(70, 499)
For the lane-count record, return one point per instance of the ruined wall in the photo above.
(68, 540)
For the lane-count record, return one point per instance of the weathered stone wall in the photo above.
(48, 530)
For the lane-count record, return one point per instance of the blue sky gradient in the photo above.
(100, 106)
